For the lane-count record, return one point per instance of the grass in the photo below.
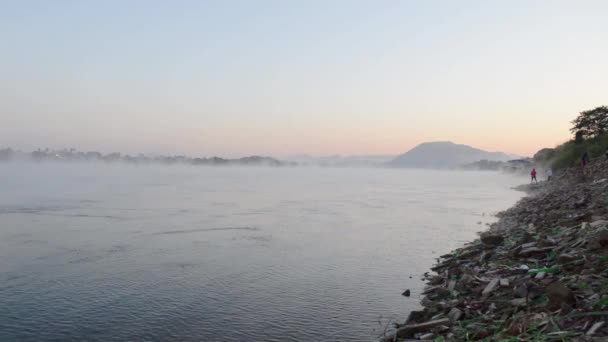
(540, 300)
(570, 153)
(583, 285)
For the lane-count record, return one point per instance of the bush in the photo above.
(570, 153)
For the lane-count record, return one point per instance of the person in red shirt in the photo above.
(533, 175)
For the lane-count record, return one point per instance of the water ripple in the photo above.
(186, 231)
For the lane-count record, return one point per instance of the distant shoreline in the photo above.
(72, 155)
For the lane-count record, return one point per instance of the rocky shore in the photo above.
(538, 274)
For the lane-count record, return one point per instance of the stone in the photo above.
(559, 294)
(565, 259)
(480, 333)
(598, 223)
(389, 338)
(416, 317)
(427, 302)
(566, 309)
(526, 237)
(455, 315)
(534, 251)
(439, 293)
(598, 240)
(492, 238)
(427, 337)
(490, 288)
(518, 301)
(520, 291)
(540, 275)
(528, 245)
(467, 279)
(406, 293)
(504, 282)
(451, 285)
(410, 329)
(595, 328)
(545, 243)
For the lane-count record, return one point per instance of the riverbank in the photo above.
(538, 274)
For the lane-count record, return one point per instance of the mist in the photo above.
(261, 241)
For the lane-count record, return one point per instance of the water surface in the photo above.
(127, 253)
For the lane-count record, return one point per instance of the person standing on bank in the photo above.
(533, 176)
(585, 159)
(549, 173)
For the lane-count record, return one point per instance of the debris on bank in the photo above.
(539, 274)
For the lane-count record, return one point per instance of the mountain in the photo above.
(444, 155)
(342, 161)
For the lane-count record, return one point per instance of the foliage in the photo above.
(590, 123)
(570, 153)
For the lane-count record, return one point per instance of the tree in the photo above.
(591, 123)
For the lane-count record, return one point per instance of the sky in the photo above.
(235, 78)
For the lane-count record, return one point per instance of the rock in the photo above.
(504, 282)
(598, 223)
(451, 285)
(540, 275)
(492, 238)
(411, 329)
(483, 258)
(581, 203)
(565, 259)
(545, 243)
(427, 302)
(520, 291)
(566, 309)
(406, 293)
(491, 287)
(528, 245)
(480, 333)
(388, 338)
(466, 280)
(559, 294)
(518, 301)
(534, 251)
(439, 293)
(455, 315)
(594, 328)
(416, 317)
(427, 337)
(598, 240)
(526, 237)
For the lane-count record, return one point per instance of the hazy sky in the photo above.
(283, 77)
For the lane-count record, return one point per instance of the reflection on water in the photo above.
(121, 253)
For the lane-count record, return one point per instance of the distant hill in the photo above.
(444, 155)
(342, 161)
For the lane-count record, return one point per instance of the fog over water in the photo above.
(103, 252)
